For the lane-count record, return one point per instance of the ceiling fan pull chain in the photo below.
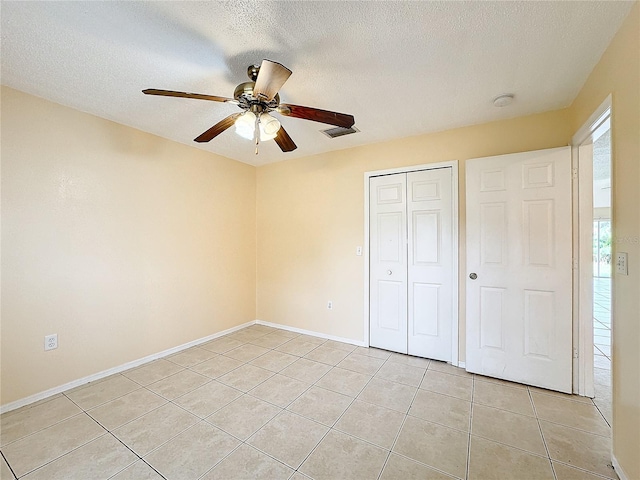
(257, 132)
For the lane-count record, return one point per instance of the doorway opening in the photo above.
(602, 255)
(593, 259)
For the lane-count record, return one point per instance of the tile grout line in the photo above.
(353, 400)
(59, 456)
(601, 414)
(223, 458)
(243, 393)
(544, 441)
(158, 447)
(544, 419)
(513, 447)
(430, 467)
(93, 384)
(270, 455)
(261, 355)
(582, 469)
(575, 428)
(45, 428)
(341, 415)
(473, 392)
(29, 406)
(139, 457)
(244, 442)
(285, 409)
(404, 420)
(8, 466)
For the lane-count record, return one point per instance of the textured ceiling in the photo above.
(401, 68)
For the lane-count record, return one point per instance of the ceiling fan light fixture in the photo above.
(269, 125)
(265, 136)
(245, 125)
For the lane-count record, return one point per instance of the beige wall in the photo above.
(618, 73)
(122, 243)
(311, 218)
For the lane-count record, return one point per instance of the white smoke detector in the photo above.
(503, 100)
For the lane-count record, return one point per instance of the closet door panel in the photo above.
(388, 262)
(430, 257)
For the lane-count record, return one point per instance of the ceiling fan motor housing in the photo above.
(244, 94)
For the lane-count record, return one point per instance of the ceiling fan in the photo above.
(258, 98)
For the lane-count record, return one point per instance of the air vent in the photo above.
(339, 131)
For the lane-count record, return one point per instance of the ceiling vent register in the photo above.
(339, 131)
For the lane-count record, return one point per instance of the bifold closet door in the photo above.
(430, 261)
(388, 262)
(411, 258)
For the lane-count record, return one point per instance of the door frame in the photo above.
(454, 245)
(582, 195)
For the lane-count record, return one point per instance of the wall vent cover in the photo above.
(339, 131)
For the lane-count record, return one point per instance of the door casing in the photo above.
(455, 270)
(582, 193)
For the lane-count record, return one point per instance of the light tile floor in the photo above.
(263, 403)
(602, 345)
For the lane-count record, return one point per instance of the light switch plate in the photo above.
(621, 263)
(358, 251)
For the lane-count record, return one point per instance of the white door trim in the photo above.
(583, 382)
(454, 212)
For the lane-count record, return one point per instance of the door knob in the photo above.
(389, 272)
(473, 276)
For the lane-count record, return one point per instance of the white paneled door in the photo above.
(519, 267)
(430, 260)
(411, 263)
(388, 262)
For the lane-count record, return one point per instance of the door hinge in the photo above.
(575, 173)
(575, 353)
(575, 264)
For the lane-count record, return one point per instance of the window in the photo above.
(602, 248)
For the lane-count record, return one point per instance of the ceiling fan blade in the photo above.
(317, 115)
(270, 79)
(199, 96)
(218, 128)
(284, 141)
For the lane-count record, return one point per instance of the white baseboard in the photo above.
(616, 466)
(350, 341)
(141, 361)
(359, 343)
(105, 373)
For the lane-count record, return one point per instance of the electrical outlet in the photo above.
(329, 305)
(51, 341)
